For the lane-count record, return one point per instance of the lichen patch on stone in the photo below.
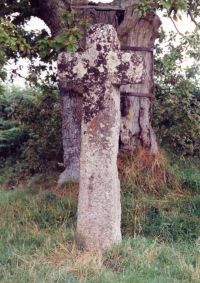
(80, 70)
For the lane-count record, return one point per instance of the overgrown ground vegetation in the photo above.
(160, 199)
(160, 195)
(160, 225)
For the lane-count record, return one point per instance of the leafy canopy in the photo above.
(16, 41)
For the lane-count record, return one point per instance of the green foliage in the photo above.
(69, 40)
(10, 138)
(11, 135)
(42, 46)
(16, 42)
(10, 39)
(43, 123)
(177, 103)
(177, 121)
(12, 44)
(171, 8)
(31, 127)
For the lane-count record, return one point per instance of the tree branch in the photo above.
(193, 19)
(179, 32)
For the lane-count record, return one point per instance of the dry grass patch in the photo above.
(150, 173)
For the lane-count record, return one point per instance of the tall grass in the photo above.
(160, 225)
(37, 245)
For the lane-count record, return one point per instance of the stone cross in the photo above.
(97, 73)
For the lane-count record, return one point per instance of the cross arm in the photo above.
(126, 67)
(72, 67)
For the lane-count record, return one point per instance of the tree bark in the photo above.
(136, 129)
(136, 112)
(133, 30)
(51, 11)
(71, 103)
(72, 106)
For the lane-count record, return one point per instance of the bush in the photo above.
(177, 97)
(11, 134)
(31, 127)
(177, 120)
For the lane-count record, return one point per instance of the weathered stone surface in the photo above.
(98, 73)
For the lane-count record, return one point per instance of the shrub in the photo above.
(11, 134)
(31, 130)
(177, 121)
(177, 96)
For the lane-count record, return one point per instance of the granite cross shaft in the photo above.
(97, 73)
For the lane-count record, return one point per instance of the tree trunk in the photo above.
(136, 128)
(71, 134)
(136, 112)
(72, 106)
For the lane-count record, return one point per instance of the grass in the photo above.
(160, 225)
(37, 245)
